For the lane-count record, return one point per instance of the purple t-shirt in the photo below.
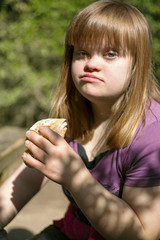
(137, 165)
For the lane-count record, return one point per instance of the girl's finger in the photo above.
(36, 151)
(52, 136)
(39, 140)
(32, 162)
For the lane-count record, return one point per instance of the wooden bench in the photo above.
(11, 149)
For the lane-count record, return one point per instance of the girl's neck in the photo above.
(101, 113)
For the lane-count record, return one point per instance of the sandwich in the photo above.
(58, 125)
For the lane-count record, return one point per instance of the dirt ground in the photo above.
(48, 204)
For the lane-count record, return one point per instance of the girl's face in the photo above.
(100, 75)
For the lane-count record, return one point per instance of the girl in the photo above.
(109, 163)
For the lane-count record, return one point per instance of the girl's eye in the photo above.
(111, 55)
(82, 54)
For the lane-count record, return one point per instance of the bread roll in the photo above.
(58, 125)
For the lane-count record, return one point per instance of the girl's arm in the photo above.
(17, 190)
(134, 217)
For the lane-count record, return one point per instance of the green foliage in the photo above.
(31, 48)
(151, 10)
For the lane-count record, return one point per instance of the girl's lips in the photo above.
(90, 78)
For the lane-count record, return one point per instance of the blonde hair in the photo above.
(124, 29)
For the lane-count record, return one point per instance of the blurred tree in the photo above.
(31, 49)
(151, 10)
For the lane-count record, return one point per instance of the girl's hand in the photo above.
(52, 156)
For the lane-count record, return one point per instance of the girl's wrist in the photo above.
(79, 179)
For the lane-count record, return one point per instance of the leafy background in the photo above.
(31, 49)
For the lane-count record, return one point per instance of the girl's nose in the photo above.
(93, 63)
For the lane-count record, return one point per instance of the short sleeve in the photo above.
(143, 158)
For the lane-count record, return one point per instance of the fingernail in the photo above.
(26, 142)
(28, 133)
(41, 128)
(24, 156)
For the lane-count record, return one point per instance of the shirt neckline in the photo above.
(83, 155)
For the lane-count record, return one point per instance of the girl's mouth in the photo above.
(90, 78)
